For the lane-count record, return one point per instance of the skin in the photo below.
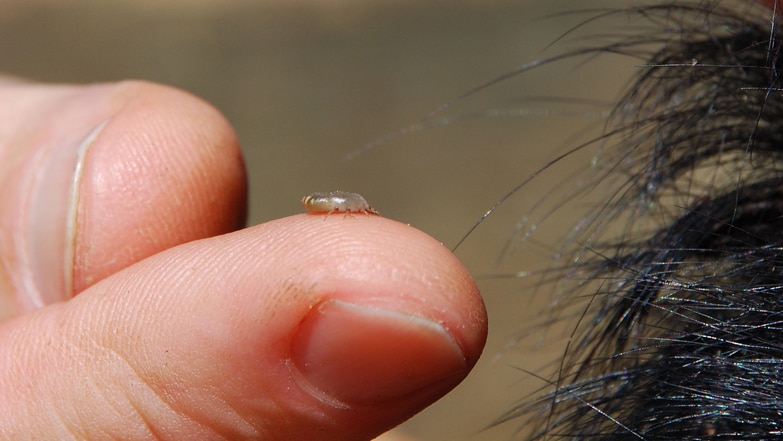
(164, 320)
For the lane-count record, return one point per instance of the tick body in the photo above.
(337, 202)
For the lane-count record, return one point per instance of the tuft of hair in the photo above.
(679, 333)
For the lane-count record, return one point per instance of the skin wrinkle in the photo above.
(149, 425)
(131, 400)
(168, 402)
(227, 428)
(230, 424)
(67, 428)
(94, 349)
(110, 357)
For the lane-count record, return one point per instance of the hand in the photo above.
(121, 324)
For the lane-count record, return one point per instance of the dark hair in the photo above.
(679, 330)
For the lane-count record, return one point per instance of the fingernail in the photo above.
(350, 354)
(46, 252)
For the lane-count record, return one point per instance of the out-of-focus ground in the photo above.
(307, 82)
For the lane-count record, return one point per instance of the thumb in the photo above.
(101, 176)
(304, 328)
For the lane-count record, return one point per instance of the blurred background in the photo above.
(333, 94)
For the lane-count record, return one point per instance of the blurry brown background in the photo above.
(307, 82)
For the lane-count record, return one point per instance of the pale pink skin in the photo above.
(153, 316)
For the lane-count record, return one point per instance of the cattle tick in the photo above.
(337, 202)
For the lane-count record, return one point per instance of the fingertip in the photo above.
(166, 169)
(390, 320)
(381, 263)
